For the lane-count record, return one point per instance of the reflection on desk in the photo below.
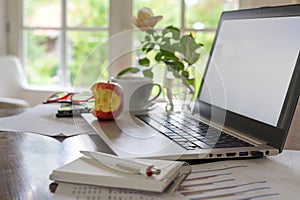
(27, 159)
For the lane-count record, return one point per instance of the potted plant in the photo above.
(178, 52)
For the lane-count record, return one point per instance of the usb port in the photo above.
(243, 153)
(257, 154)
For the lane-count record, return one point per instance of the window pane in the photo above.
(42, 58)
(87, 13)
(206, 38)
(169, 9)
(87, 57)
(202, 14)
(42, 13)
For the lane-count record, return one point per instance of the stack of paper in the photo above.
(90, 171)
(275, 177)
(42, 120)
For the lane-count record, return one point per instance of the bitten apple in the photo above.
(108, 100)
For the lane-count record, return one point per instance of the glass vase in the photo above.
(178, 92)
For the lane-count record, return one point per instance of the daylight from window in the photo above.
(58, 35)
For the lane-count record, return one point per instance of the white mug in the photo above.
(137, 92)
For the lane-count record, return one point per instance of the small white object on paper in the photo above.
(42, 120)
(67, 191)
(276, 177)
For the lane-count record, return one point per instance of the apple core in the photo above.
(107, 100)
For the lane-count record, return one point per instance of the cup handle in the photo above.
(159, 92)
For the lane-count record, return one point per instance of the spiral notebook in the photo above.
(89, 171)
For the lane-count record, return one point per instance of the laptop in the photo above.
(246, 101)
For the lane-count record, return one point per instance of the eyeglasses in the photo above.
(70, 97)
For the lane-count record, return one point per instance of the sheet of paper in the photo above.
(67, 191)
(276, 177)
(42, 120)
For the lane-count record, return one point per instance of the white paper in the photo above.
(275, 177)
(67, 191)
(42, 120)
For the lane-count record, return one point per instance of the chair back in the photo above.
(12, 76)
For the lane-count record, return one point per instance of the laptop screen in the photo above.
(251, 66)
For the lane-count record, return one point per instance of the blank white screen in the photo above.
(252, 65)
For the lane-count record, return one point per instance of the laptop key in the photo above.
(202, 145)
(190, 133)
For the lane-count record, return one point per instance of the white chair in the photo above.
(14, 90)
(12, 80)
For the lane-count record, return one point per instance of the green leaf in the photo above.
(128, 70)
(191, 81)
(150, 48)
(166, 41)
(169, 63)
(147, 38)
(189, 47)
(185, 39)
(192, 59)
(179, 65)
(173, 30)
(145, 46)
(176, 74)
(185, 74)
(148, 73)
(157, 37)
(167, 50)
(158, 57)
(144, 62)
(166, 53)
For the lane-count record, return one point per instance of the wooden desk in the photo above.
(27, 159)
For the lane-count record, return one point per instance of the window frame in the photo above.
(15, 45)
(120, 17)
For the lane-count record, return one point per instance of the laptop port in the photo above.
(257, 154)
(219, 155)
(243, 153)
(230, 154)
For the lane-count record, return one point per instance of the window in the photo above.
(56, 38)
(198, 16)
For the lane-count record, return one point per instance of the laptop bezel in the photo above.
(274, 136)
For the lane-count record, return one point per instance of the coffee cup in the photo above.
(137, 92)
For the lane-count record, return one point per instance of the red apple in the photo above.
(108, 100)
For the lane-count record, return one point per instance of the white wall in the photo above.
(3, 37)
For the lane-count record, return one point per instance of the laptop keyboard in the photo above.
(190, 133)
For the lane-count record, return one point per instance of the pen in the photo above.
(122, 163)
